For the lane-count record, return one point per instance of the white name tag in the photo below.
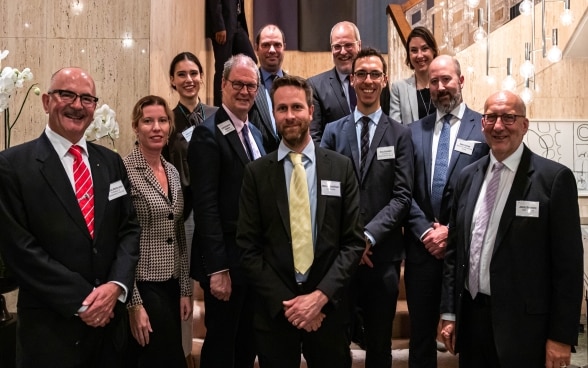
(527, 209)
(331, 188)
(385, 153)
(117, 189)
(226, 127)
(188, 133)
(464, 146)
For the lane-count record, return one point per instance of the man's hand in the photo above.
(448, 335)
(315, 324)
(186, 305)
(365, 257)
(557, 354)
(220, 37)
(220, 286)
(140, 325)
(100, 303)
(435, 240)
(303, 310)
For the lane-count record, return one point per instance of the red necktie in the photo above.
(84, 190)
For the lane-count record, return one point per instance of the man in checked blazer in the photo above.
(72, 285)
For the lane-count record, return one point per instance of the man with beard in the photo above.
(301, 240)
(444, 143)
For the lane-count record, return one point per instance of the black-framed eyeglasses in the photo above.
(374, 75)
(337, 47)
(507, 119)
(70, 97)
(237, 86)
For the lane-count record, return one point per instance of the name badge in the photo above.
(527, 209)
(188, 133)
(463, 146)
(331, 188)
(117, 189)
(226, 127)
(385, 153)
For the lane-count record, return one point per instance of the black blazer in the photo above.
(386, 186)
(536, 270)
(264, 234)
(216, 164)
(221, 15)
(421, 215)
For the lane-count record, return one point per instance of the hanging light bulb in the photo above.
(567, 16)
(526, 7)
(480, 33)
(554, 54)
(526, 93)
(509, 83)
(527, 69)
(473, 3)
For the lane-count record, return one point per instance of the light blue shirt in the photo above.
(309, 162)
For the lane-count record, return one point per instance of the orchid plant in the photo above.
(12, 79)
(103, 125)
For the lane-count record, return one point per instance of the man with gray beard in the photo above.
(444, 143)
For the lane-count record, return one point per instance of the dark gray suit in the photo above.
(56, 262)
(329, 102)
(536, 268)
(423, 272)
(385, 198)
(260, 116)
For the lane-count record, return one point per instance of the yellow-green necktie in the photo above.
(300, 223)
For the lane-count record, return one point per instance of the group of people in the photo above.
(293, 204)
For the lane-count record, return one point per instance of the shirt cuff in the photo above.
(425, 233)
(371, 239)
(221, 271)
(448, 317)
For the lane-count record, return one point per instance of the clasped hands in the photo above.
(100, 305)
(304, 311)
(435, 240)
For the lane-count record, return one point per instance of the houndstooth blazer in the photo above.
(163, 252)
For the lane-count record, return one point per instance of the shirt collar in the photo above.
(62, 145)
(265, 74)
(236, 121)
(457, 112)
(374, 116)
(511, 162)
(307, 152)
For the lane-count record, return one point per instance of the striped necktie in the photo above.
(83, 187)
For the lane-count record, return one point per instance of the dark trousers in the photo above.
(47, 339)
(423, 296)
(476, 336)
(280, 344)
(229, 333)
(237, 43)
(376, 290)
(161, 301)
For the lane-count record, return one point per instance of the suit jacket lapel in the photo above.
(428, 129)
(381, 128)
(350, 132)
(412, 98)
(323, 170)
(337, 86)
(520, 187)
(101, 186)
(54, 174)
(232, 137)
(264, 109)
(473, 193)
(278, 185)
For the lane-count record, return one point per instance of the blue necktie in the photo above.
(441, 163)
(245, 132)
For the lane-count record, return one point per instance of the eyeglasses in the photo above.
(237, 86)
(507, 119)
(337, 47)
(70, 97)
(362, 75)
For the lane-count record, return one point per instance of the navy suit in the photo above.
(536, 268)
(423, 272)
(385, 198)
(56, 262)
(260, 116)
(264, 235)
(217, 162)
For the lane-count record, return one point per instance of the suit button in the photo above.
(171, 216)
(97, 282)
(77, 343)
(94, 250)
(170, 240)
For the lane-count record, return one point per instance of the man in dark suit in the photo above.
(333, 96)
(71, 269)
(382, 155)
(426, 227)
(300, 308)
(217, 154)
(226, 26)
(512, 281)
(270, 45)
